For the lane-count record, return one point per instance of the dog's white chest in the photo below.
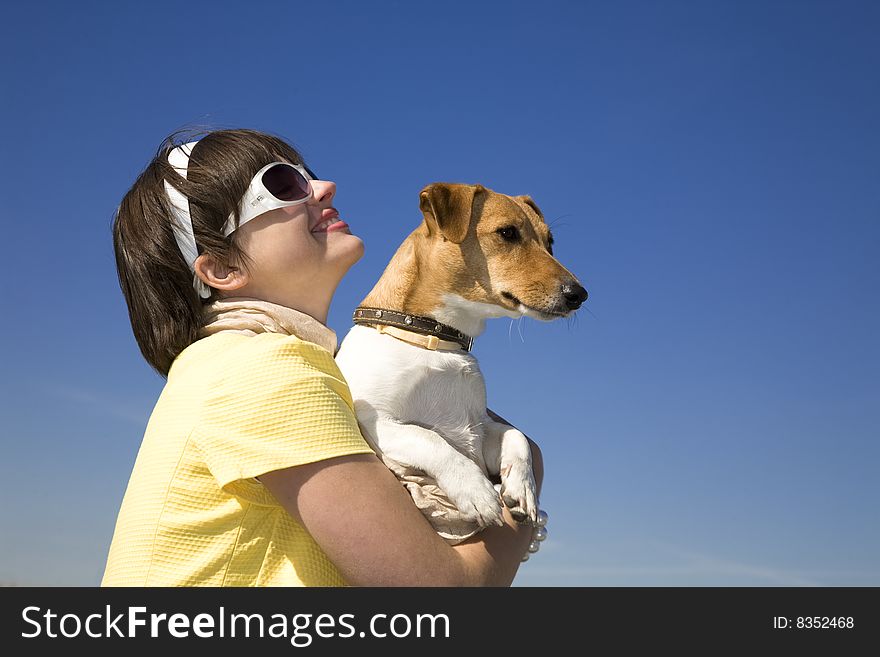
(441, 390)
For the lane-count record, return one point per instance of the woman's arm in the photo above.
(366, 523)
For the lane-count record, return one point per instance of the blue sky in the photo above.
(710, 171)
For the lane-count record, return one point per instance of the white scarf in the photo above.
(251, 316)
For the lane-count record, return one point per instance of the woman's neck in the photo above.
(317, 306)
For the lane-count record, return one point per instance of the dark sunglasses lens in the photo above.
(286, 183)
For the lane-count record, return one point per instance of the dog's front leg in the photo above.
(507, 452)
(414, 446)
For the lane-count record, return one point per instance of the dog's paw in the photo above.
(519, 492)
(475, 497)
(482, 506)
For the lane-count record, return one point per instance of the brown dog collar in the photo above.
(413, 323)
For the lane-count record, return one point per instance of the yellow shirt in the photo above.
(234, 407)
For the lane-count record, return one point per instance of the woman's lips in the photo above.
(329, 217)
(330, 225)
(339, 225)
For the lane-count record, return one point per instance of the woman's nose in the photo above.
(324, 191)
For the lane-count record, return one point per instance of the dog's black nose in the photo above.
(574, 294)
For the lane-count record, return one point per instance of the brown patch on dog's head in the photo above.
(494, 249)
(448, 209)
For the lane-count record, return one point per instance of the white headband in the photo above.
(181, 220)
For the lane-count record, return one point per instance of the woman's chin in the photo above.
(348, 251)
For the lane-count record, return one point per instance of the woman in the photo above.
(252, 470)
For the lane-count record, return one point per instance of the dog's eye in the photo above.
(509, 233)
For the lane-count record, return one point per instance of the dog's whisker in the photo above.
(553, 223)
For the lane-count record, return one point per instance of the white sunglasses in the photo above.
(276, 185)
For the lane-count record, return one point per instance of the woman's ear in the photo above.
(218, 275)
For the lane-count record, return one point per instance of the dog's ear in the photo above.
(448, 208)
(528, 200)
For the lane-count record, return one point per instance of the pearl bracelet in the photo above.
(538, 535)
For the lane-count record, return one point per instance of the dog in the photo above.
(418, 392)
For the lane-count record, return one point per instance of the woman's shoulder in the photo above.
(272, 358)
(269, 371)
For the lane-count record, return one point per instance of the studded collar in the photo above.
(410, 322)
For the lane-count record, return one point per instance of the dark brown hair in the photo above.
(164, 308)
